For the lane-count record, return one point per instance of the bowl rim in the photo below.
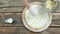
(31, 29)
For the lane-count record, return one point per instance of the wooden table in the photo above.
(13, 9)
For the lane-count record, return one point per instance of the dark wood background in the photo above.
(13, 9)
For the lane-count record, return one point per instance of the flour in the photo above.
(39, 20)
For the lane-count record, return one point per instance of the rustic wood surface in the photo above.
(23, 30)
(13, 9)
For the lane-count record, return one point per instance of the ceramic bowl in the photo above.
(37, 23)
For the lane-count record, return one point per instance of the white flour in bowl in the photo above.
(40, 18)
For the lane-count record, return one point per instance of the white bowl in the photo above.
(37, 23)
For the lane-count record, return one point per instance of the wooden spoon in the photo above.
(26, 4)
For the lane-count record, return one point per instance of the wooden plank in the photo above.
(11, 9)
(57, 11)
(4, 3)
(15, 5)
(18, 21)
(14, 2)
(55, 16)
(23, 30)
(11, 3)
(17, 17)
(16, 9)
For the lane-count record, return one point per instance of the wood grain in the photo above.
(17, 17)
(17, 9)
(15, 5)
(10, 3)
(11, 9)
(23, 30)
(4, 3)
